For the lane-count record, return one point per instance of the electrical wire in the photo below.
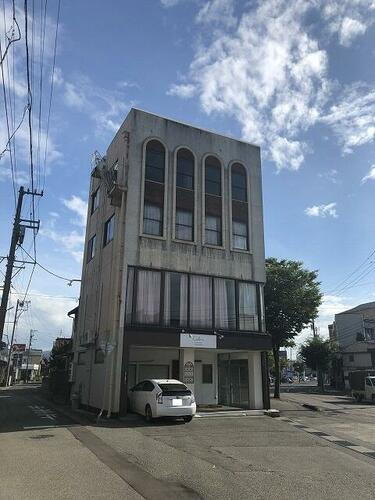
(10, 40)
(48, 271)
(51, 93)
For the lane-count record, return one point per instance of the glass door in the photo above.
(233, 381)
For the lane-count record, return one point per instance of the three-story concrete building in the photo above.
(173, 271)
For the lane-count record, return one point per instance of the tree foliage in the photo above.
(292, 297)
(316, 353)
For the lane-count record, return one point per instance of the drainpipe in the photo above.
(117, 305)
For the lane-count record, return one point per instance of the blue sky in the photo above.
(297, 78)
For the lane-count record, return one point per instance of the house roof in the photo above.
(360, 308)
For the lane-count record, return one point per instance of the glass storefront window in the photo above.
(225, 304)
(200, 302)
(248, 315)
(175, 299)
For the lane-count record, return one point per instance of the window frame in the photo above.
(177, 224)
(247, 203)
(220, 232)
(160, 221)
(91, 249)
(234, 235)
(131, 316)
(95, 200)
(106, 225)
(164, 205)
(222, 198)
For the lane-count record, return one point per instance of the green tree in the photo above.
(317, 354)
(292, 297)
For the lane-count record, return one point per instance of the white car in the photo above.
(155, 398)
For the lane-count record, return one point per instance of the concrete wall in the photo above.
(347, 327)
(98, 293)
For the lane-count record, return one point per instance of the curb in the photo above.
(311, 407)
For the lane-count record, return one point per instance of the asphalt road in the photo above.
(45, 455)
(339, 415)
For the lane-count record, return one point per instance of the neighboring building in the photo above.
(353, 333)
(173, 273)
(25, 365)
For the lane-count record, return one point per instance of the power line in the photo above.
(48, 271)
(351, 274)
(51, 92)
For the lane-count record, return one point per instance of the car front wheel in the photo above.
(148, 413)
(188, 418)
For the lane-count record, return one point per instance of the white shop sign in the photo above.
(195, 340)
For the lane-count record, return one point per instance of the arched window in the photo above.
(213, 202)
(240, 218)
(153, 210)
(184, 223)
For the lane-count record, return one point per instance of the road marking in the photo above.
(367, 452)
(42, 412)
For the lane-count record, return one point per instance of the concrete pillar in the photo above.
(255, 380)
(187, 367)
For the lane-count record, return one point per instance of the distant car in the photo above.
(156, 398)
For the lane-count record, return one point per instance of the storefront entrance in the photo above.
(233, 381)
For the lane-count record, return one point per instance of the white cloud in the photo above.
(107, 108)
(270, 74)
(347, 18)
(183, 91)
(217, 12)
(79, 206)
(169, 3)
(331, 176)
(323, 211)
(370, 175)
(353, 117)
(350, 29)
(71, 241)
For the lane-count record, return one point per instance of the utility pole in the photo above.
(28, 354)
(20, 303)
(17, 238)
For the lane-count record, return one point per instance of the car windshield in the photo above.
(174, 388)
(372, 380)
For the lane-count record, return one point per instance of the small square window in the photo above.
(91, 248)
(109, 230)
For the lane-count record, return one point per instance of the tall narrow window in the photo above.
(91, 248)
(240, 217)
(95, 198)
(185, 201)
(109, 230)
(213, 202)
(154, 189)
(175, 299)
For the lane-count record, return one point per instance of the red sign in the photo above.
(19, 347)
